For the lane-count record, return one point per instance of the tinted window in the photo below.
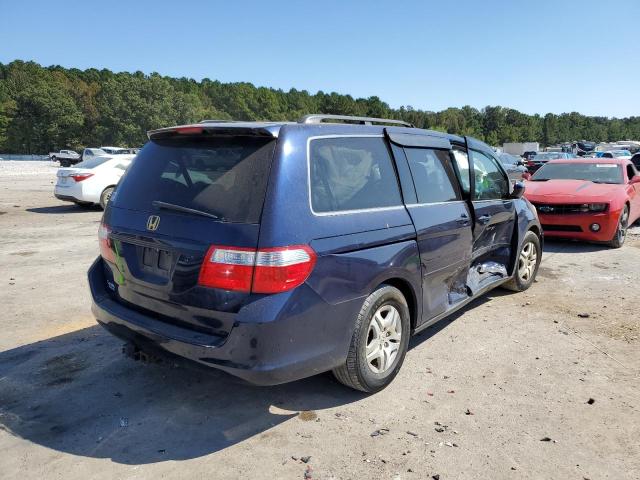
(351, 173)
(631, 171)
(431, 175)
(462, 168)
(490, 182)
(225, 176)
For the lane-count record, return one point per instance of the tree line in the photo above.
(45, 109)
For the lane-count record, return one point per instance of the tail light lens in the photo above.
(79, 177)
(106, 250)
(269, 270)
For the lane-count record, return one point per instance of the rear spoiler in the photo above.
(222, 129)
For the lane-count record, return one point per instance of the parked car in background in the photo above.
(614, 154)
(90, 153)
(115, 150)
(513, 165)
(636, 161)
(277, 251)
(540, 158)
(91, 181)
(586, 199)
(65, 157)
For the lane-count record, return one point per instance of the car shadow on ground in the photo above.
(60, 209)
(76, 393)
(571, 246)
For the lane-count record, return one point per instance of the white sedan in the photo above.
(91, 181)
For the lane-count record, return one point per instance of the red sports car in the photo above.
(591, 199)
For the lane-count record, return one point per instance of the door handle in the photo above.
(484, 219)
(464, 219)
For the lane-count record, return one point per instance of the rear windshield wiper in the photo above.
(180, 208)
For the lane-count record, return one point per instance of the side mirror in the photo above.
(518, 190)
(634, 180)
(526, 176)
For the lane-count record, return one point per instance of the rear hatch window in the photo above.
(223, 176)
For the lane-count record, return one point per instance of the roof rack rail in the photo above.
(319, 118)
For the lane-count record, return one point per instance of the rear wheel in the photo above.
(379, 342)
(106, 196)
(527, 263)
(621, 231)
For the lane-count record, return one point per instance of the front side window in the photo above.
(431, 175)
(462, 168)
(351, 173)
(490, 182)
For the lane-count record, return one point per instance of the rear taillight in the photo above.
(269, 270)
(106, 251)
(78, 177)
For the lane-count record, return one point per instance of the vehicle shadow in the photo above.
(558, 245)
(76, 393)
(67, 208)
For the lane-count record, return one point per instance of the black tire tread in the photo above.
(347, 373)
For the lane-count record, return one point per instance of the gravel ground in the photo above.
(543, 384)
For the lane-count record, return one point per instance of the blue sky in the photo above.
(536, 56)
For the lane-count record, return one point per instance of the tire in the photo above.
(384, 333)
(527, 263)
(621, 230)
(65, 163)
(105, 196)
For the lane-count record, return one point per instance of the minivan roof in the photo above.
(267, 128)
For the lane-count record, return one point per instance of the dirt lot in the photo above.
(477, 397)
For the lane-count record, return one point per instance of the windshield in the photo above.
(549, 156)
(594, 172)
(92, 162)
(223, 176)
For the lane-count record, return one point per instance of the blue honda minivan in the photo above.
(275, 251)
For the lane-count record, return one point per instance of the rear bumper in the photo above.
(577, 226)
(66, 198)
(274, 340)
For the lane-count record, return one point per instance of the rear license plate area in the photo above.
(156, 261)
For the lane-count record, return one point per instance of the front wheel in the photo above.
(527, 263)
(379, 342)
(621, 231)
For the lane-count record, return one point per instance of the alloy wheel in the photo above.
(622, 229)
(527, 261)
(383, 339)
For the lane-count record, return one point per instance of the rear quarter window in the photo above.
(351, 173)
